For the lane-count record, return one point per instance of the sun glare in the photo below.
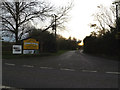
(81, 44)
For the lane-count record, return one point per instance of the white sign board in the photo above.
(28, 51)
(17, 49)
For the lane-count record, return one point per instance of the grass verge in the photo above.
(9, 55)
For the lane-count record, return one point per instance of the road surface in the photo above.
(72, 69)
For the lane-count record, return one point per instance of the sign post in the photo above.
(30, 46)
(17, 49)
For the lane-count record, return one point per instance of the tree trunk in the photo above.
(16, 20)
(16, 37)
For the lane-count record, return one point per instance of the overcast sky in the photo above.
(81, 16)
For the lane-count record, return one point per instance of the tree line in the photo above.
(17, 16)
(49, 43)
(105, 40)
(106, 44)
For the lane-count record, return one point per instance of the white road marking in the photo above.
(9, 88)
(31, 66)
(88, 71)
(113, 72)
(10, 64)
(4, 87)
(67, 69)
(93, 71)
(47, 68)
(28, 66)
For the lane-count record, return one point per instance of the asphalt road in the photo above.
(70, 70)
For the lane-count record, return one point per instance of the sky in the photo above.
(81, 16)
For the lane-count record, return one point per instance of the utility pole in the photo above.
(54, 27)
(117, 17)
(117, 27)
(117, 21)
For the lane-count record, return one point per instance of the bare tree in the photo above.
(60, 16)
(15, 15)
(105, 18)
